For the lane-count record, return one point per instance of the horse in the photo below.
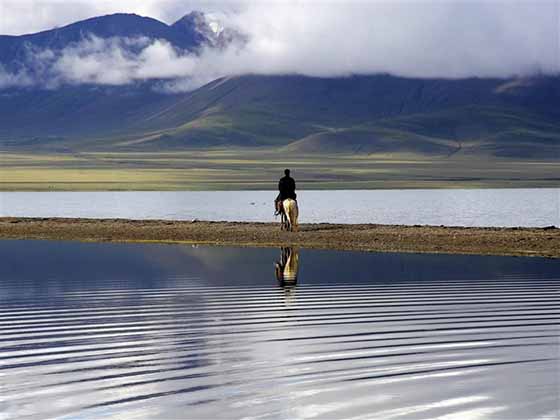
(290, 215)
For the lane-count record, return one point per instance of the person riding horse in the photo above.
(287, 189)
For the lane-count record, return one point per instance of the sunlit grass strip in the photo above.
(260, 169)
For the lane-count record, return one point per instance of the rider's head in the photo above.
(287, 172)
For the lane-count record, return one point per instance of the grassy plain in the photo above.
(258, 169)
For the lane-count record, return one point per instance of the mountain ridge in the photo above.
(17, 51)
(356, 114)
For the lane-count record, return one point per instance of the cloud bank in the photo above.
(451, 39)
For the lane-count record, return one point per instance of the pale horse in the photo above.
(290, 215)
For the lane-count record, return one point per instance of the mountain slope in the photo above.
(29, 57)
(361, 115)
(366, 114)
(16, 52)
(472, 130)
(296, 114)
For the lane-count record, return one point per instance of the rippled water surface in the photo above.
(165, 331)
(488, 207)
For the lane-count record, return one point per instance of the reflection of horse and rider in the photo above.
(286, 204)
(287, 268)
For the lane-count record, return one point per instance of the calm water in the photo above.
(494, 207)
(165, 331)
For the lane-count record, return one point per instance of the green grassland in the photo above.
(259, 169)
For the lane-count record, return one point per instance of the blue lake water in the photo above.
(487, 207)
(168, 331)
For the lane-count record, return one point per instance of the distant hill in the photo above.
(360, 114)
(373, 114)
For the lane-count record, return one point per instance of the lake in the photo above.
(484, 207)
(91, 330)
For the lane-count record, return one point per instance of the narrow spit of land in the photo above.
(380, 238)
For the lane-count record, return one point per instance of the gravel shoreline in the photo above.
(543, 242)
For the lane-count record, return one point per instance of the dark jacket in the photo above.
(287, 188)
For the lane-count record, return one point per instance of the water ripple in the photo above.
(310, 351)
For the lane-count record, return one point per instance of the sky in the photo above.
(412, 38)
(18, 17)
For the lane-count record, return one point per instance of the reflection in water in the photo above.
(151, 331)
(286, 271)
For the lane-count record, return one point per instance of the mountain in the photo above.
(365, 114)
(188, 33)
(295, 114)
(207, 31)
(17, 52)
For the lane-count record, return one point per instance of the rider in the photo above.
(287, 188)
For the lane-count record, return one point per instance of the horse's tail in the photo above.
(291, 210)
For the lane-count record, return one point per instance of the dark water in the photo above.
(166, 331)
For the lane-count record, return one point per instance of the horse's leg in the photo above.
(292, 216)
(290, 226)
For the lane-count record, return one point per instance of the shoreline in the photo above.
(537, 242)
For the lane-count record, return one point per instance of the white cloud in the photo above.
(323, 38)
(19, 79)
(411, 38)
(111, 62)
